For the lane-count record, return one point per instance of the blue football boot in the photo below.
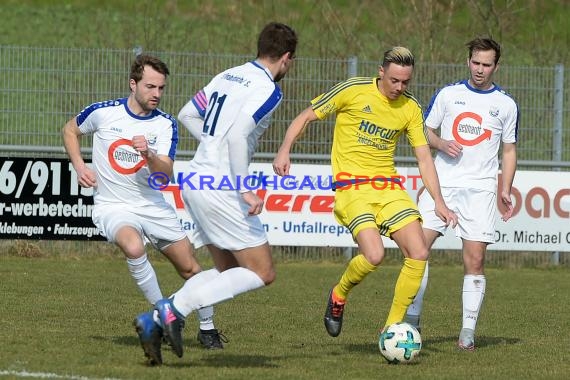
(150, 336)
(172, 324)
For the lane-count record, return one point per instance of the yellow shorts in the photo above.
(388, 209)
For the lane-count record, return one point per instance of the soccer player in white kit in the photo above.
(228, 116)
(474, 117)
(134, 144)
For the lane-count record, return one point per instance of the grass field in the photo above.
(70, 318)
(532, 32)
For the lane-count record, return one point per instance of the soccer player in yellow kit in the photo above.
(370, 197)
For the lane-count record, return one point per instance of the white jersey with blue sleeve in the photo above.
(121, 172)
(237, 106)
(479, 121)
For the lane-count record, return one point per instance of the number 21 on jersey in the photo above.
(214, 108)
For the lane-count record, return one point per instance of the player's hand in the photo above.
(452, 148)
(445, 214)
(282, 163)
(86, 177)
(508, 204)
(255, 203)
(140, 145)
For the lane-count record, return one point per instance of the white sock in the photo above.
(205, 315)
(415, 308)
(473, 294)
(145, 277)
(223, 287)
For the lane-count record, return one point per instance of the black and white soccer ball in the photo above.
(400, 343)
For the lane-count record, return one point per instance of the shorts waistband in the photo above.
(357, 181)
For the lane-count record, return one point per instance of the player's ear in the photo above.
(496, 67)
(132, 84)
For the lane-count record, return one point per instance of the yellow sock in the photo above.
(357, 269)
(406, 289)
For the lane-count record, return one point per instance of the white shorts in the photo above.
(221, 218)
(158, 224)
(476, 211)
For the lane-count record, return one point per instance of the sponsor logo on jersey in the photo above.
(468, 131)
(494, 111)
(151, 138)
(123, 158)
(376, 131)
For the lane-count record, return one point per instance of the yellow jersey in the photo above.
(367, 127)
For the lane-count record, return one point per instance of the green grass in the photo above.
(532, 32)
(71, 316)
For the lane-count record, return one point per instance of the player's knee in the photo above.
(130, 242)
(474, 263)
(421, 254)
(268, 276)
(375, 257)
(474, 268)
(186, 273)
(132, 250)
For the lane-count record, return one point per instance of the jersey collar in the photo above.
(471, 88)
(259, 65)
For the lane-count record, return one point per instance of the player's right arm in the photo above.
(192, 114)
(450, 147)
(71, 136)
(434, 117)
(282, 161)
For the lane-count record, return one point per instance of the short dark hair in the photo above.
(143, 60)
(276, 39)
(484, 44)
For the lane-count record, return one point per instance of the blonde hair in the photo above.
(398, 55)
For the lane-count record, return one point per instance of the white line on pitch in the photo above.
(46, 375)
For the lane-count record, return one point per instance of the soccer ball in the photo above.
(400, 343)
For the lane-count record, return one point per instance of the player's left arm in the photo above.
(155, 162)
(239, 158)
(509, 159)
(431, 182)
(508, 168)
